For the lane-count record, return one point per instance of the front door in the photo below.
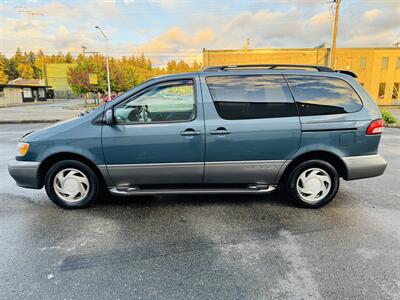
(252, 127)
(157, 136)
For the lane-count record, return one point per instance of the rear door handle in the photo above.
(220, 131)
(190, 132)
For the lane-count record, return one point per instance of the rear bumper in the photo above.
(364, 166)
(25, 173)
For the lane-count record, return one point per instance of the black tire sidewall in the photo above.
(90, 174)
(292, 180)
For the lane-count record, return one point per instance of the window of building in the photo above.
(27, 92)
(318, 95)
(1, 91)
(251, 96)
(349, 63)
(398, 63)
(385, 63)
(395, 93)
(381, 91)
(41, 93)
(172, 101)
(363, 63)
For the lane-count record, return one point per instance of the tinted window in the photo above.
(317, 95)
(166, 102)
(251, 97)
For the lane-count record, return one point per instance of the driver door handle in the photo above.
(190, 132)
(220, 131)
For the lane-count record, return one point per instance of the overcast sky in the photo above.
(165, 29)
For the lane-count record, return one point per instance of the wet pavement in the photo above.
(202, 247)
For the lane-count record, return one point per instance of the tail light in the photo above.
(376, 127)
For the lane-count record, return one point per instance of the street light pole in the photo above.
(334, 33)
(108, 69)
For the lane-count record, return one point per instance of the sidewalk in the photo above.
(47, 112)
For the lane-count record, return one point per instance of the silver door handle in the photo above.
(190, 132)
(220, 131)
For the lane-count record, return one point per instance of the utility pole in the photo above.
(83, 50)
(108, 69)
(334, 33)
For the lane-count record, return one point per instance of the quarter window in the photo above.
(167, 102)
(318, 95)
(251, 97)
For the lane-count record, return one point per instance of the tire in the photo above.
(312, 184)
(72, 184)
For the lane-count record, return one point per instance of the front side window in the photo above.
(166, 102)
(251, 96)
(318, 95)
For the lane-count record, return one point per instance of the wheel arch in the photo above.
(54, 158)
(327, 156)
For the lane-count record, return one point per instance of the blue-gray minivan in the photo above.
(228, 129)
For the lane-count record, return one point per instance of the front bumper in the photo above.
(25, 173)
(364, 166)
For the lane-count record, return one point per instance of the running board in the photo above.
(251, 189)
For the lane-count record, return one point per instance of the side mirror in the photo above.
(109, 117)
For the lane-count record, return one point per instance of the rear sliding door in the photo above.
(252, 127)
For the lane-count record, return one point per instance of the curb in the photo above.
(29, 121)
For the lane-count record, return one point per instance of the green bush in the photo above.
(388, 117)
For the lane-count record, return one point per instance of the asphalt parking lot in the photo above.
(202, 247)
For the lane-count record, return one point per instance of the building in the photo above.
(378, 69)
(55, 75)
(22, 90)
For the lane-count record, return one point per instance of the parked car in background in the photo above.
(107, 99)
(228, 129)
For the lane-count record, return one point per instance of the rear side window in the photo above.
(317, 95)
(251, 96)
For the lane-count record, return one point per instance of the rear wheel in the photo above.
(72, 184)
(313, 183)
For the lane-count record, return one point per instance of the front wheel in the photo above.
(72, 184)
(313, 183)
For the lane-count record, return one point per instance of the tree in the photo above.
(3, 67)
(25, 71)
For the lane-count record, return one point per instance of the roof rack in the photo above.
(268, 66)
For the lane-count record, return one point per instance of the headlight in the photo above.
(22, 149)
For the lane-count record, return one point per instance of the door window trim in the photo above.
(157, 84)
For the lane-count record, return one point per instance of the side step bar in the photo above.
(251, 189)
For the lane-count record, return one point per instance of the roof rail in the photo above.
(267, 66)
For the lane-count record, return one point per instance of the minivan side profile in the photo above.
(226, 129)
